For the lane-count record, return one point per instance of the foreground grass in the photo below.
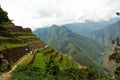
(35, 73)
(41, 59)
(46, 68)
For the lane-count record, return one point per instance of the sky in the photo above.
(41, 13)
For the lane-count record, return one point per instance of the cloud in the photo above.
(40, 13)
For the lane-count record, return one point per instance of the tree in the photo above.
(116, 41)
(3, 16)
(52, 68)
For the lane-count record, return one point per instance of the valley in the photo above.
(78, 47)
(74, 51)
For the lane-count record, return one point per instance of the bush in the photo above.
(27, 73)
(3, 69)
(35, 73)
(3, 16)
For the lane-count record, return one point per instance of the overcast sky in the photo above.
(40, 13)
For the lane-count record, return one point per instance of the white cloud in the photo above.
(40, 13)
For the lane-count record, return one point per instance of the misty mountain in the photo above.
(82, 49)
(106, 35)
(89, 26)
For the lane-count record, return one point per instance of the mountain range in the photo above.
(107, 34)
(23, 56)
(89, 26)
(81, 49)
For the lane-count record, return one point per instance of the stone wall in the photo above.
(19, 29)
(11, 55)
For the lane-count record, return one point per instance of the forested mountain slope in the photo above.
(82, 49)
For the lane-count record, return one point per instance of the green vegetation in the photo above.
(28, 59)
(3, 16)
(107, 34)
(45, 55)
(24, 37)
(47, 66)
(81, 49)
(4, 46)
(35, 73)
(3, 69)
(10, 42)
(21, 33)
(8, 45)
(116, 56)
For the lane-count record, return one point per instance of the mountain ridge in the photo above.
(106, 35)
(69, 42)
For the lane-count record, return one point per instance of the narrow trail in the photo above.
(7, 75)
(80, 66)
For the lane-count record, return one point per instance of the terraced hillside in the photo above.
(48, 60)
(15, 41)
(49, 54)
(51, 64)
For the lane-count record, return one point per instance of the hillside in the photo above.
(83, 50)
(106, 35)
(51, 64)
(20, 47)
(15, 41)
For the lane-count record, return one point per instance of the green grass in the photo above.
(21, 33)
(34, 42)
(40, 60)
(28, 59)
(24, 37)
(8, 45)
(39, 70)
(4, 46)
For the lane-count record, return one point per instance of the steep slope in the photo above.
(82, 49)
(15, 42)
(40, 62)
(106, 35)
(51, 64)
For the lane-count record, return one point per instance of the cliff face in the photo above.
(15, 42)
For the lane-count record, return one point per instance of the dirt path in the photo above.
(80, 66)
(6, 75)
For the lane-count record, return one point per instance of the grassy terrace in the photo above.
(4, 46)
(28, 59)
(6, 41)
(41, 59)
(21, 33)
(24, 37)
